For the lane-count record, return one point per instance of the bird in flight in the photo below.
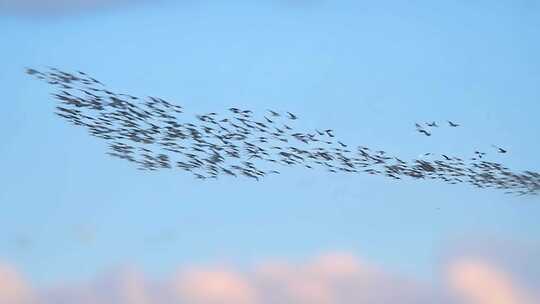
(292, 116)
(451, 124)
(424, 131)
(273, 113)
(480, 154)
(499, 149)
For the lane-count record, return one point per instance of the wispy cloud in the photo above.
(335, 278)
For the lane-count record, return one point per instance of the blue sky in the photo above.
(368, 70)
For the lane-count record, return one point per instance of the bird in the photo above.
(292, 116)
(499, 149)
(479, 154)
(425, 132)
(30, 71)
(432, 124)
(451, 124)
(273, 113)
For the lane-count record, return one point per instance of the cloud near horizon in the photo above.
(472, 278)
(335, 278)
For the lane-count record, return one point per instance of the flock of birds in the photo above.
(433, 124)
(478, 154)
(150, 133)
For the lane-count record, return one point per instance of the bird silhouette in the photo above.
(292, 116)
(273, 113)
(424, 132)
(499, 149)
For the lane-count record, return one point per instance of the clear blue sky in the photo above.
(369, 70)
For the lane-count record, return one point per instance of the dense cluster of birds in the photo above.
(150, 133)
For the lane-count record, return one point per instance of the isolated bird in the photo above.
(499, 149)
(451, 124)
(425, 132)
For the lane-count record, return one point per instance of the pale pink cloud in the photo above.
(123, 286)
(315, 281)
(13, 288)
(214, 286)
(132, 288)
(334, 278)
(337, 278)
(478, 282)
(337, 265)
